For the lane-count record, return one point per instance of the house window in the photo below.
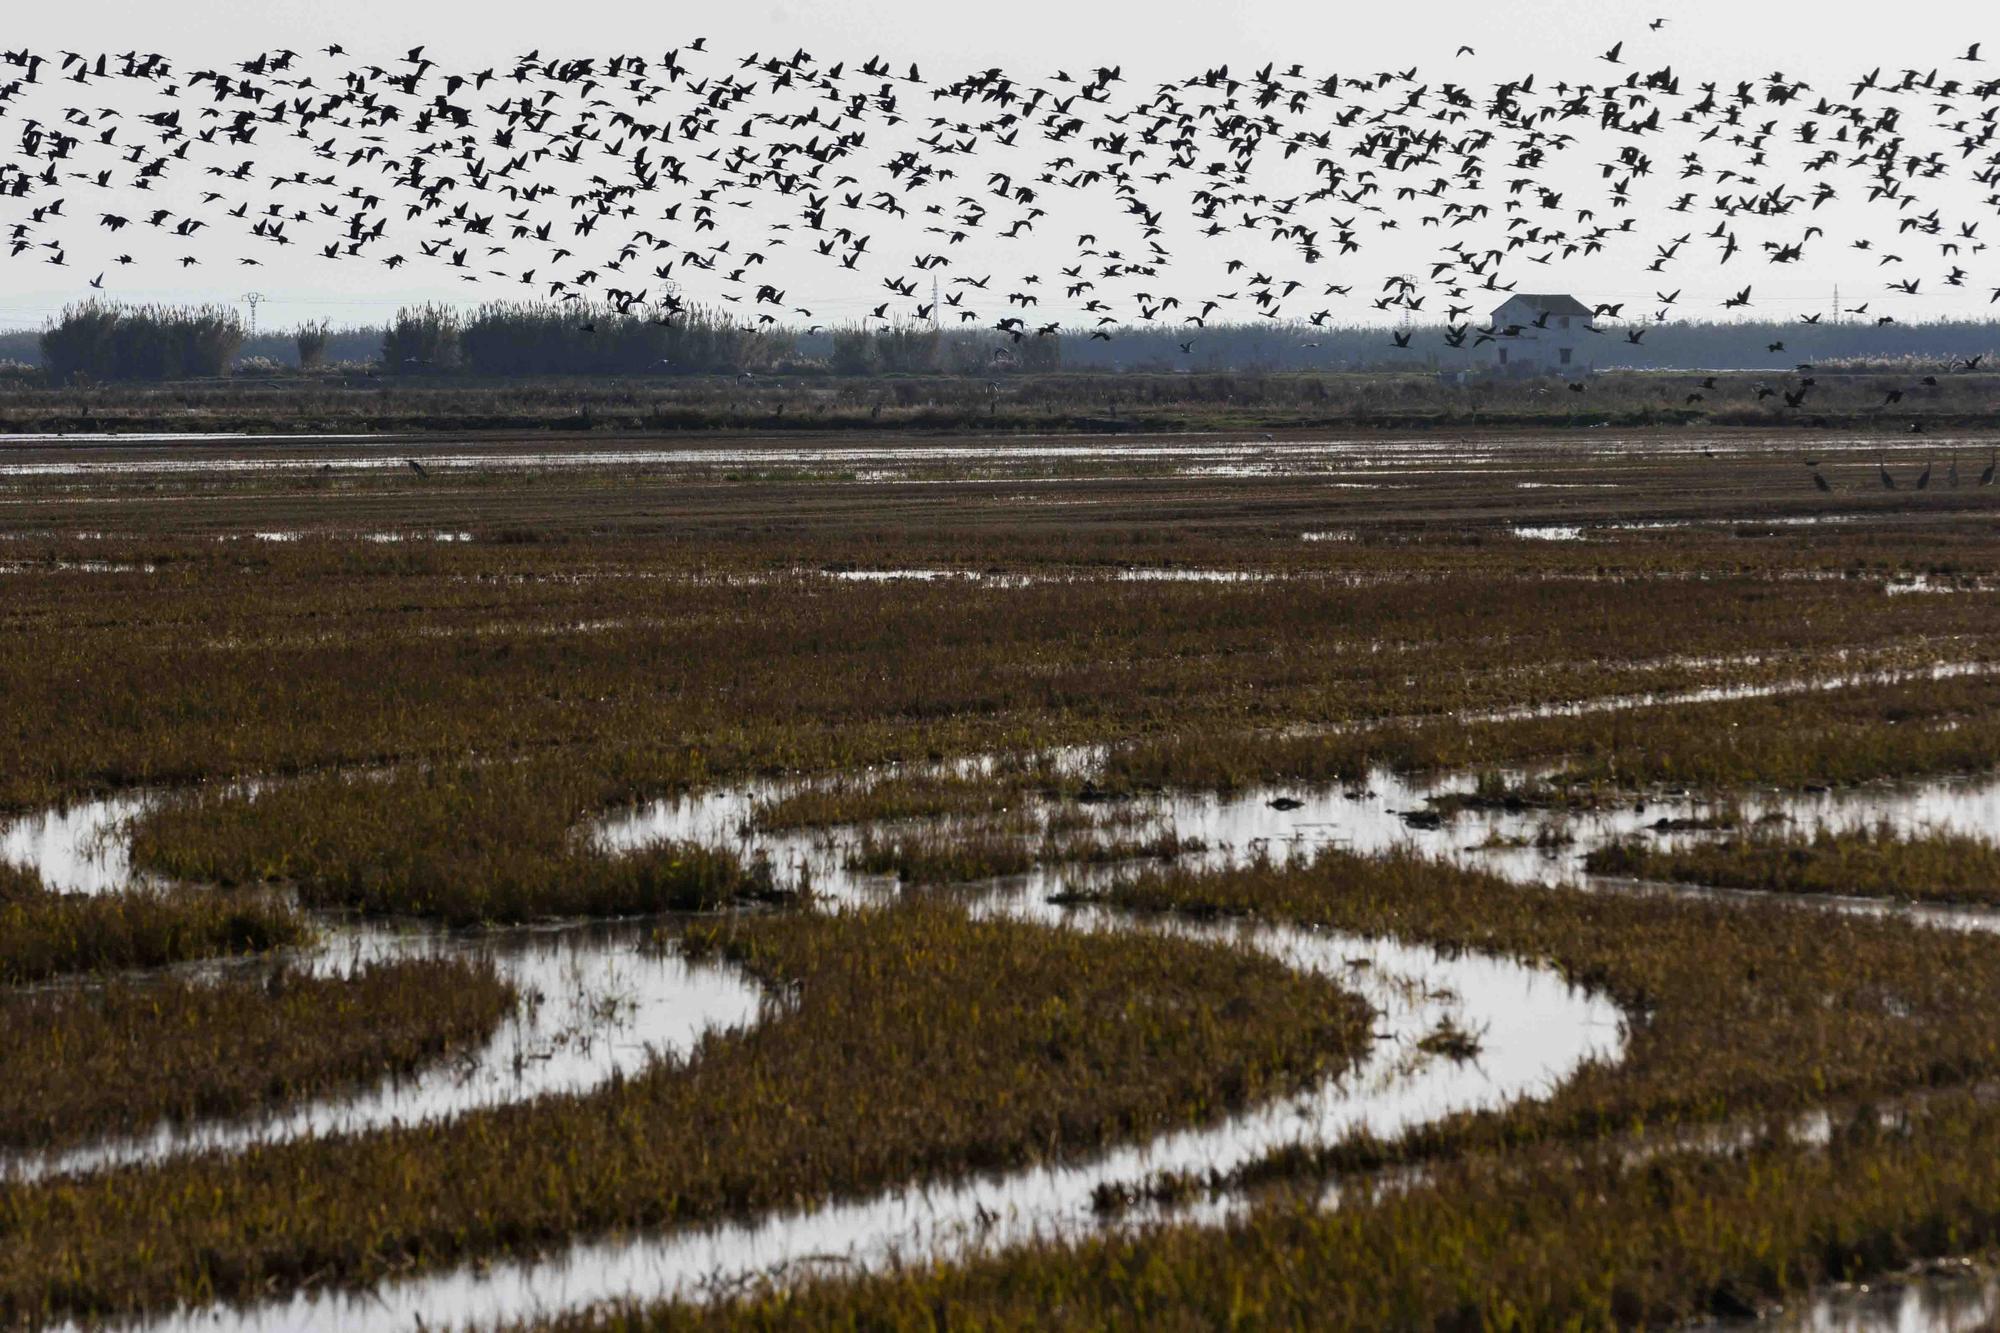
(1562, 354)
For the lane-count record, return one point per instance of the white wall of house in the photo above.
(1556, 347)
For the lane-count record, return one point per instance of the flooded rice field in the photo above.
(428, 714)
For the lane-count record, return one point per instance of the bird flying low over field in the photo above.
(655, 183)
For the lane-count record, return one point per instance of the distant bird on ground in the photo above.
(417, 467)
(1924, 477)
(1888, 482)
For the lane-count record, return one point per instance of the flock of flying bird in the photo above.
(649, 184)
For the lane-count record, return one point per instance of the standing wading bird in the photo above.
(1924, 477)
(417, 467)
(1888, 482)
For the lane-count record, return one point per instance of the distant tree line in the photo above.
(98, 341)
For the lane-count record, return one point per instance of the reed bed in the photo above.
(1661, 1188)
(275, 660)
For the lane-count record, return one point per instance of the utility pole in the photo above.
(937, 321)
(255, 299)
(1836, 303)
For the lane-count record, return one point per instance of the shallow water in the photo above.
(1363, 462)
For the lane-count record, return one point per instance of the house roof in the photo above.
(1554, 303)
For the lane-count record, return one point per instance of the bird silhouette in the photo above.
(713, 171)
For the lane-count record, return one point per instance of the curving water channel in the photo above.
(594, 1004)
(1535, 1031)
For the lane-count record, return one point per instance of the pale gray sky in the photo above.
(1827, 44)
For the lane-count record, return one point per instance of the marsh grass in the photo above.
(923, 1044)
(922, 796)
(89, 1061)
(955, 854)
(1805, 738)
(626, 632)
(45, 934)
(243, 658)
(1878, 862)
(496, 843)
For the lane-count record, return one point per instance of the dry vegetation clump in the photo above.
(958, 853)
(462, 844)
(917, 796)
(45, 934)
(84, 1062)
(922, 1044)
(1879, 862)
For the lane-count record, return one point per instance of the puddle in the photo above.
(392, 537)
(1954, 1302)
(1929, 583)
(74, 567)
(1550, 533)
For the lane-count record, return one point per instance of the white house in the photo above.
(1539, 333)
